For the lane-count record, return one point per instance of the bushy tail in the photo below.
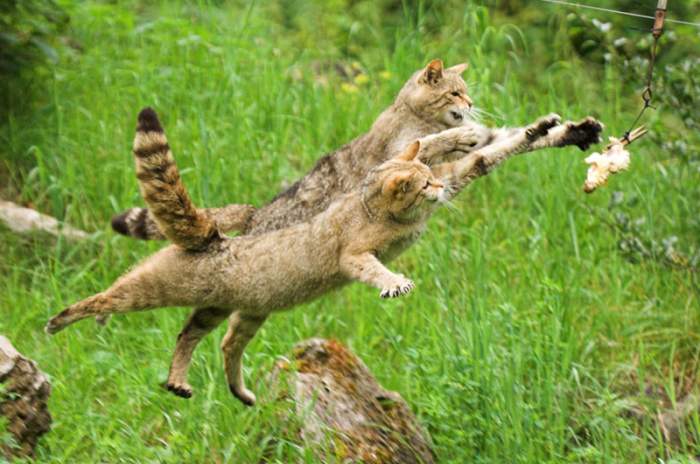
(137, 223)
(163, 191)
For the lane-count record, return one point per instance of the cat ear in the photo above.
(458, 68)
(410, 152)
(397, 182)
(432, 72)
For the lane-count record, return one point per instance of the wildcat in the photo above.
(250, 276)
(432, 106)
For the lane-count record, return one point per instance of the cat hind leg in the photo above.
(132, 292)
(241, 330)
(101, 304)
(200, 323)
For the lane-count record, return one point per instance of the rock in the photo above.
(24, 392)
(24, 220)
(347, 415)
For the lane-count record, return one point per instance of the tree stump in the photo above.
(24, 391)
(344, 415)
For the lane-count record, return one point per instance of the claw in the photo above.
(542, 126)
(398, 290)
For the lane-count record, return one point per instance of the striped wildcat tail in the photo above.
(137, 223)
(163, 191)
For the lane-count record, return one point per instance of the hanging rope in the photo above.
(648, 93)
(657, 30)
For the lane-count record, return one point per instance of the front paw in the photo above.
(466, 139)
(402, 287)
(542, 126)
(584, 134)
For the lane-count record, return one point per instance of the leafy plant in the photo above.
(31, 30)
(636, 243)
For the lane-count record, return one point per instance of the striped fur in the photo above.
(139, 222)
(433, 106)
(159, 179)
(251, 276)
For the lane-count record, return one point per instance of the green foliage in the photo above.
(7, 440)
(30, 33)
(679, 88)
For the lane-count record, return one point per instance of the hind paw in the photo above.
(246, 396)
(183, 390)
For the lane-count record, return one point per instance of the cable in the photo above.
(627, 13)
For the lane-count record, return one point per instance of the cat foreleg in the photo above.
(368, 269)
(582, 134)
(451, 144)
(496, 153)
(458, 174)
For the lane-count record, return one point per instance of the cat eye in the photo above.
(427, 183)
(455, 94)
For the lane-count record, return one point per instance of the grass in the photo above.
(528, 330)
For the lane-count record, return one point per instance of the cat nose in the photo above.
(456, 115)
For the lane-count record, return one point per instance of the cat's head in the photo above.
(438, 94)
(403, 187)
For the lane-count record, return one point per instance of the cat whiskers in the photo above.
(477, 114)
(447, 202)
(445, 197)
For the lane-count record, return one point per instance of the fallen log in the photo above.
(24, 392)
(25, 220)
(343, 413)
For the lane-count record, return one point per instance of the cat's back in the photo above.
(341, 171)
(283, 267)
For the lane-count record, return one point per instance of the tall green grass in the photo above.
(527, 328)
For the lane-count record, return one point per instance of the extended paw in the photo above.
(181, 389)
(400, 288)
(466, 139)
(246, 396)
(102, 320)
(584, 134)
(542, 126)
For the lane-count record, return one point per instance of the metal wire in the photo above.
(626, 13)
(648, 93)
(656, 31)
